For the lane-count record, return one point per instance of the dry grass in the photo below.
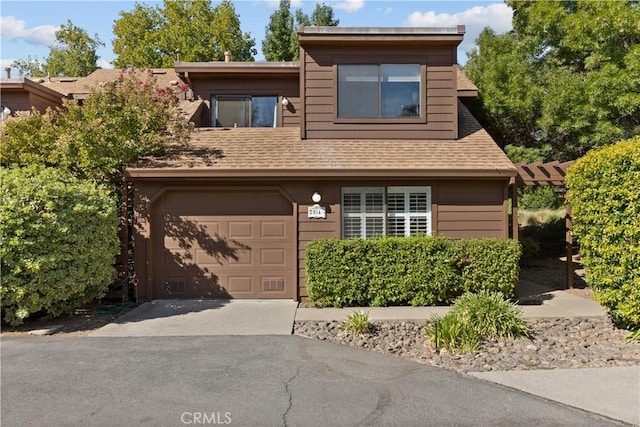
(540, 216)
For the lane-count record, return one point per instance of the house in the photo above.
(23, 94)
(366, 135)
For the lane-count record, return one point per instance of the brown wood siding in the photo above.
(460, 209)
(41, 103)
(16, 101)
(318, 88)
(253, 85)
(469, 209)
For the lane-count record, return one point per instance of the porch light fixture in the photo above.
(316, 197)
(6, 111)
(285, 101)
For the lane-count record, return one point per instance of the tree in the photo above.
(322, 16)
(118, 123)
(149, 36)
(73, 54)
(565, 76)
(279, 43)
(30, 67)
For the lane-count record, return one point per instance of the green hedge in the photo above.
(604, 191)
(416, 270)
(59, 238)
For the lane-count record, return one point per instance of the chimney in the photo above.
(227, 56)
(8, 70)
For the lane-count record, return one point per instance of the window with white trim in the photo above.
(385, 211)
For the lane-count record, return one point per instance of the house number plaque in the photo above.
(316, 211)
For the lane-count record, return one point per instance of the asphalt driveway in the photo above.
(253, 381)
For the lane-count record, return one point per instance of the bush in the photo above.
(604, 191)
(488, 264)
(539, 198)
(59, 239)
(474, 317)
(416, 270)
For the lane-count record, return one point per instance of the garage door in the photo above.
(223, 244)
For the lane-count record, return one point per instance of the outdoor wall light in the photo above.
(285, 101)
(6, 111)
(316, 197)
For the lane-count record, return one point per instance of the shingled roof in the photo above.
(79, 87)
(279, 152)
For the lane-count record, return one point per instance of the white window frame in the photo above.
(385, 215)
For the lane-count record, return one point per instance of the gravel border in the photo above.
(581, 342)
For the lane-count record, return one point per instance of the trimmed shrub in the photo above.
(418, 270)
(489, 264)
(604, 191)
(474, 317)
(59, 239)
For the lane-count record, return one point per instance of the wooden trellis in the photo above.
(542, 174)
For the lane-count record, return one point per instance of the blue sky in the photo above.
(28, 27)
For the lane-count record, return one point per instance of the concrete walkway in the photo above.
(612, 392)
(204, 318)
(538, 302)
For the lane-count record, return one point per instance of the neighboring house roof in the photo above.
(31, 86)
(466, 88)
(280, 152)
(80, 87)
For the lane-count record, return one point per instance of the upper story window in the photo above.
(244, 111)
(379, 90)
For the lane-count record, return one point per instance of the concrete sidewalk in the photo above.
(537, 302)
(612, 392)
(204, 318)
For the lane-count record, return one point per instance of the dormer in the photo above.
(379, 83)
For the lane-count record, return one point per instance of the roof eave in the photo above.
(213, 173)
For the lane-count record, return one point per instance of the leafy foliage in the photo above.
(322, 16)
(149, 36)
(59, 239)
(416, 270)
(30, 67)
(281, 39)
(73, 54)
(604, 191)
(280, 43)
(565, 77)
(357, 323)
(118, 123)
(476, 316)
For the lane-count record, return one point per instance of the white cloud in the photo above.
(104, 64)
(496, 16)
(15, 29)
(350, 5)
